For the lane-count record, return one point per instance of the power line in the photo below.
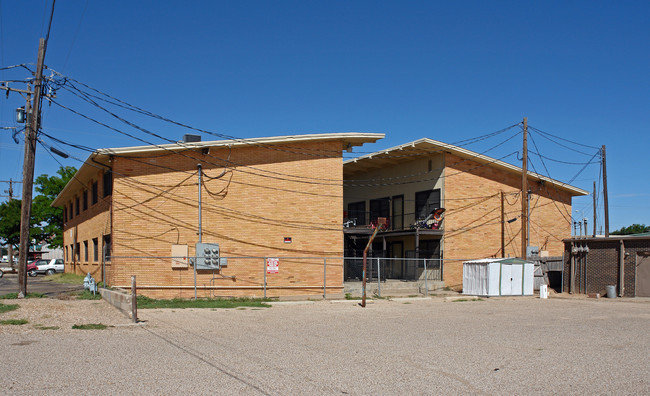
(561, 138)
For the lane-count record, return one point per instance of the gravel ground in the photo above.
(432, 346)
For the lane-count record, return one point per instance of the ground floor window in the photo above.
(107, 247)
(95, 249)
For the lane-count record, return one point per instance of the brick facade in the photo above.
(599, 267)
(249, 207)
(92, 223)
(473, 217)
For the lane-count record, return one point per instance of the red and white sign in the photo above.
(272, 265)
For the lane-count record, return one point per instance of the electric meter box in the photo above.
(207, 256)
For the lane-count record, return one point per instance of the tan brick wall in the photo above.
(248, 207)
(473, 225)
(91, 223)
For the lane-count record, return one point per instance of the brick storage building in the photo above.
(134, 211)
(479, 194)
(619, 260)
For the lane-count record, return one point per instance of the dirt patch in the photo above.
(59, 315)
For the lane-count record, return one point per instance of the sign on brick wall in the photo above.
(272, 265)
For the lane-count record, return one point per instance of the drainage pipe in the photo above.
(621, 268)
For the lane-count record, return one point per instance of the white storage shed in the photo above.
(498, 277)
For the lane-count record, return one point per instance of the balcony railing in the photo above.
(394, 223)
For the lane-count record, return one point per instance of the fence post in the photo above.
(264, 269)
(441, 262)
(426, 275)
(378, 278)
(324, 278)
(134, 300)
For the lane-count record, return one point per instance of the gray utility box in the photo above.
(208, 257)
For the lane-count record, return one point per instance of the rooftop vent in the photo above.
(191, 138)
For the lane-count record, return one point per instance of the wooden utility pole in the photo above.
(28, 171)
(605, 200)
(10, 248)
(503, 227)
(524, 193)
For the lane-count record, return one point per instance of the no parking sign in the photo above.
(272, 265)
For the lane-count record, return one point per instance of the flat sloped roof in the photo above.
(100, 157)
(425, 146)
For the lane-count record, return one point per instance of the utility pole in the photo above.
(524, 193)
(503, 227)
(10, 247)
(605, 200)
(31, 132)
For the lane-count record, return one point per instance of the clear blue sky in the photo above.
(444, 70)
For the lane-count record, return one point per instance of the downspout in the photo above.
(621, 269)
(572, 274)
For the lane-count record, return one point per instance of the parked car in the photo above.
(31, 269)
(49, 267)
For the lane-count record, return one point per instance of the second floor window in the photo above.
(426, 202)
(94, 194)
(357, 212)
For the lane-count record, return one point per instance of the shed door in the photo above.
(517, 276)
(643, 274)
(506, 279)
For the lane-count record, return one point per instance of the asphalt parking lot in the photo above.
(38, 284)
(433, 346)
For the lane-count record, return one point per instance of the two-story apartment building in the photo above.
(448, 203)
(142, 210)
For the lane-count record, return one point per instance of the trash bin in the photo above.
(543, 291)
(611, 291)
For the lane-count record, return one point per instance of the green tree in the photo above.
(50, 219)
(633, 229)
(46, 222)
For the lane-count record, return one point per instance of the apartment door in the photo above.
(395, 267)
(643, 274)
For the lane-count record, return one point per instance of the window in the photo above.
(108, 183)
(65, 214)
(86, 251)
(94, 193)
(397, 221)
(379, 208)
(70, 211)
(357, 211)
(76, 206)
(429, 249)
(107, 247)
(77, 251)
(95, 249)
(426, 202)
(66, 254)
(85, 199)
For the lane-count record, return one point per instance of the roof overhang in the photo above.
(425, 147)
(100, 158)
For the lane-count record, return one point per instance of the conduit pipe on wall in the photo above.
(621, 268)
